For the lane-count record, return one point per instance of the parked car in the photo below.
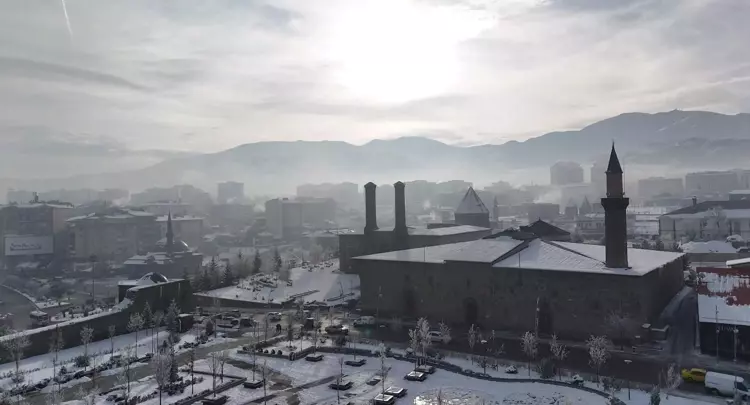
(694, 374)
(364, 321)
(356, 363)
(437, 337)
(253, 384)
(511, 370)
(374, 381)
(384, 399)
(426, 368)
(397, 392)
(337, 330)
(314, 357)
(247, 321)
(725, 384)
(415, 376)
(341, 385)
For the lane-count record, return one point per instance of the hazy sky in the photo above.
(207, 75)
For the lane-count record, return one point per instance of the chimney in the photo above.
(695, 201)
(371, 217)
(400, 208)
(615, 218)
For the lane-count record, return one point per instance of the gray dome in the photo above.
(177, 246)
(152, 278)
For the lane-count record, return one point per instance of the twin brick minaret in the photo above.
(615, 219)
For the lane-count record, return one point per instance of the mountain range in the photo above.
(675, 141)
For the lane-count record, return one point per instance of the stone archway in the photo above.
(471, 311)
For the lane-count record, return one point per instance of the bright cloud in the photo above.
(207, 75)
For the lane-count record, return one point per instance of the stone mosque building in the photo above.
(524, 283)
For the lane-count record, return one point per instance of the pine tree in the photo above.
(213, 273)
(171, 320)
(257, 263)
(205, 280)
(228, 276)
(277, 263)
(147, 315)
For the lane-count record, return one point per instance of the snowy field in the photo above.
(316, 283)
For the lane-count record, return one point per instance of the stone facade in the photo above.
(572, 304)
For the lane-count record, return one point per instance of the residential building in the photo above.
(708, 220)
(345, 194)
(660, 186)
(34, 231)
(165, 208)
(472, 211)
(711, 183)
(230, 191)
(112, 234)
(288, 218)
(562, 173)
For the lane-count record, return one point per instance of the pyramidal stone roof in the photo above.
(472, 204)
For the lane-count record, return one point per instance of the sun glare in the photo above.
(392, 51)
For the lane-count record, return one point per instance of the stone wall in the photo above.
(572, 304)
(159, 296)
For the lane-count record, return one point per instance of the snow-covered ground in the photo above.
(319, 283)
(455, 389)
(40, 367)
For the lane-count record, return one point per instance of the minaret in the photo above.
(615, 219)
(170, 235)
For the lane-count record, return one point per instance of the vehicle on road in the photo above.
(437, 337)
(314, 357)
(426, 368)
(274, 316)
(364, 321)
(337, 330)
(694, 374)
(725, 384)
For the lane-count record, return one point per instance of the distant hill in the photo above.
(690, 140)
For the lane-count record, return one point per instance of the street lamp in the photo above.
(627, 362)
(734, 342)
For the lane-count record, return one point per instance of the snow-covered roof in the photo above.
(113, 213)
(443, 231)
(537, 254)
(472, 204)
(163, 218)
(724, 295)
(738, 262)
(711, 246)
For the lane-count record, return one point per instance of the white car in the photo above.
(438, 337)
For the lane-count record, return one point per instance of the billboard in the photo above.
(28, 245)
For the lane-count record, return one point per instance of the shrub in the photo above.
(546, 368)
(82, 361)
(17, 378)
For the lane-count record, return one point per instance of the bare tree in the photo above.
(671, 379)
(598, 353)
(191, 366)
(621, 325)
(111, 331)
(214, 365)
(530, 346)
(472, 340)
(134, 325)
(156, 322)
(15, 347)
(559, 351)
(161, 365)
(383, 367)
(55, 345)
(223, 356)
(414, 345)
(53, 398)
(265, 393)
(440, 397)
(340, 379)
(88, 397)
(423, 328)
(126, 374)
(87, 334)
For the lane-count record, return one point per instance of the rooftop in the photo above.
(471, 204)
(113, 213)
(506, 252)
(726, 205)
(448, 230)
(163, 218)
(724, 295)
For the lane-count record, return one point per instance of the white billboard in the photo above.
(28, 245)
